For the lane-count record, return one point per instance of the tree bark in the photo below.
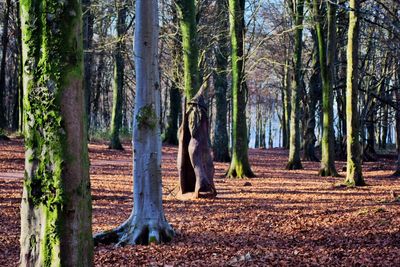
(314, 96)
(220, 140)
(56, 202)
(171, 132)
(354, 170)
(287, 104)
(88, 20)
(147, 223)
(326, 59)
(194, 151)
(240, 166)
(118, 83)
(294, 161)
(4, 45)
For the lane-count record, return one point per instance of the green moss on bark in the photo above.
(52, 58)
(240, 166)
(147, 117)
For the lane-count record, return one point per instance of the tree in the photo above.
(354, 171)
(88, 20)
(56, 202)
(294, 162)
(195, 165)
(240, 166)
(313, 97)
(221, 51)
(118, 84)
(4, 45)
(326, 61)
(147, 223)
(171, 131)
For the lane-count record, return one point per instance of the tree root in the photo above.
(325, 172)
(141, 232)
(292, 165)
(233, 173)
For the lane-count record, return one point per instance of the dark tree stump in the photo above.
(195, 164)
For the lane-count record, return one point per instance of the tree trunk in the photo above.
(4, 45)
(385, 122)
(118, 84)
(287, 104)
(171, 132)
(326, 59)
(97, 93)
(397, 112)
(56, 202)
(194, 155)
(283, 121)
(147, 223)
(240, 166)
(220, 140)
(294, 161)
(88, 20)
(354, 170)
(397, 117)
(314, 95)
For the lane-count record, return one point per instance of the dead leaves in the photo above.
(282, 219)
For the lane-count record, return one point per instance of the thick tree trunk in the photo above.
(118, 83)
(294, 161)
(194, 136)
(326, 59)
(195, 165)
(147, 223)
(220, 140)
(354, 170)
(240, 166)
(56, 202)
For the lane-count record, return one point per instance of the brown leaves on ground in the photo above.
(279, 218)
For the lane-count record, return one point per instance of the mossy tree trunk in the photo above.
(56, 201)
(240, 166)
(195, 165)
(147, 223)
(171, 131)
(326, 48)
(118, 83)
(221, 51)
(354, 170)
(294, 161)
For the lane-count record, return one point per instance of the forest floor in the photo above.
(283, 218)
